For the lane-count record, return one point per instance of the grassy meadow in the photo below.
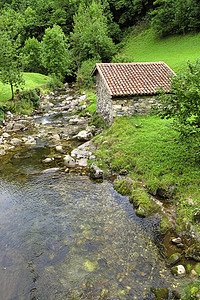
(32, 80)
(145, 46)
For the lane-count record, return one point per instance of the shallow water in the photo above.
(66, 237)
(63, 235)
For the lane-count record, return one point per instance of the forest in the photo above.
(65, 38)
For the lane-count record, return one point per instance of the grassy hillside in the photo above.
(32, 80)
(175, 50)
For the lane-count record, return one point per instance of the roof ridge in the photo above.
(134, 63)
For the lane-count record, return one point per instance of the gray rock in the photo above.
(69, 161)
(82, 162)
(2, 152)
(95, 171)
(16, 142)
(59, 148)
(176, 240)
(20, 125)
(31, 141)
(84, 135)
(48, 160)
(51, 170)
(6, 135)
(56, 137)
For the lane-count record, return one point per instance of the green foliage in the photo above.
(183, 102)
(89, 38)
(10, 61)
(174, 50)
(30, 95)
(154, 153)
(175, 16)
(54, 82)
(55, 52)
(193, 290)
(83, 77)
(32, 55)
(124, 186)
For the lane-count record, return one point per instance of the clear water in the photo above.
(63, 236)
(66, 237)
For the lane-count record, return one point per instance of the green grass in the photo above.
(32, 80)
(174, 50)
(149, 149)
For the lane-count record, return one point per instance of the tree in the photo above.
(32, 55)
(55, 52)
(10, 62)
(89, 38)
(183, 102)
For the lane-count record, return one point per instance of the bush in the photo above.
(30, 95)
(54, 82)
(183, 102)
(84, 73)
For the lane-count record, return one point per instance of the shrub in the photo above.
(84, 73)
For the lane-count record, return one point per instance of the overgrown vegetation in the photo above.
(183, 102)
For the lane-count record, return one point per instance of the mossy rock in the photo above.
(161, 294)
(165, 224)
(140, 212)
(193, 252)
(174, 258)
(124, 186)
(143, 203)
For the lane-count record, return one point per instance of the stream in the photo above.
(64, 236)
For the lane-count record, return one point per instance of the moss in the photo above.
(142, 202)
(165, 224)
(161, 294)
(124, 186)
(174, 258)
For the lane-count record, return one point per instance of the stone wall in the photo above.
(109, 107)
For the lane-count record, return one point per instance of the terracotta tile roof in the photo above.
(124, 79)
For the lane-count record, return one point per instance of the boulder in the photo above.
(95, 172)
(69, 161)
(48, 160)
(56, 137)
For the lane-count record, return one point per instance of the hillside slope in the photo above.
(174, 50)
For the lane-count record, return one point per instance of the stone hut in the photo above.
(129, 88)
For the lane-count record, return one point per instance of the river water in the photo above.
(64, 236)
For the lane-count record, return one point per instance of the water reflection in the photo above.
(65, 237)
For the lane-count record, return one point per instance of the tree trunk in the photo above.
(11, 85)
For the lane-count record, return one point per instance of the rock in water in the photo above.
(95, 172)
(69, 161)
